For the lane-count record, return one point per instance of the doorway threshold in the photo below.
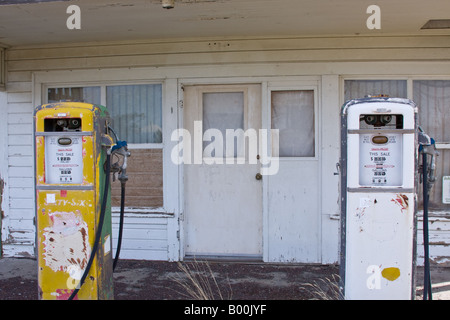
(223, 257)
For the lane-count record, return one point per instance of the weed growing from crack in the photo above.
(199, 282)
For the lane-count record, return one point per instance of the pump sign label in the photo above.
(64, 159)
(380, 160)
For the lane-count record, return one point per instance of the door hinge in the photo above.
(180, 103)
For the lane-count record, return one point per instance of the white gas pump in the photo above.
(378, 181)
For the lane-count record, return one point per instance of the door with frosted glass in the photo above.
(223, 197)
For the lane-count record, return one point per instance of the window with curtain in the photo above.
(80, 94)
(433, 100)
(355, 89)
(293, 115)
(136, 112)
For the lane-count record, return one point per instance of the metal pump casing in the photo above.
(378, 199)
(71, 141)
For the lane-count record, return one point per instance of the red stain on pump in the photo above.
(402, 201)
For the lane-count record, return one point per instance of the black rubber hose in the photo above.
(427, 295)
(99, 229)
(122, 211)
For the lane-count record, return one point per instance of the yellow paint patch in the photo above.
(391, 273)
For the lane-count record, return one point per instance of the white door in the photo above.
(293, 212)
(223, 198)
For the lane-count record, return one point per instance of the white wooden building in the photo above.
(239, 62)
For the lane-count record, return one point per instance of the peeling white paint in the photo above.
(66, 243)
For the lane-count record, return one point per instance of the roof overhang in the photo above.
(37, 22)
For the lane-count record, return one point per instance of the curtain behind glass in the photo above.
(293, 115)
(136, 111)
(85, 94)
(433, 100)
(355, 89)
(223, 111)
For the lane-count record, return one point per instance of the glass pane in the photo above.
(222, 111)
(355, 89)
(136, 111)
(86, 94)
(433, 100)
(293, 116)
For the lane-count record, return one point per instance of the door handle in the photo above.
(258, 176)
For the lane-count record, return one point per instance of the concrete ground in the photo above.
(150, 280)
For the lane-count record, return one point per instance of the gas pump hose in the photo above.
(122, 212)
(427, 291)
(99, 228)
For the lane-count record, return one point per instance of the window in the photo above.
(223, 111)
(86, 94)
(355, 89)
(136, 110)
(136, 113)
(293, 115)
(433, 100)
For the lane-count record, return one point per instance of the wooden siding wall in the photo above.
(204, 52)
(180, 58)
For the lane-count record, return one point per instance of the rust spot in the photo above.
(405, 198)
(402, 201)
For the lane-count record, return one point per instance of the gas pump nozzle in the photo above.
(120, 149)
(427, 146)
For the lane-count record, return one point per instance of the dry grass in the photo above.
(198, 282)
(325, 289)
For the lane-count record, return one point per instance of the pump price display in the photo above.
(64, 159)
(380, 160)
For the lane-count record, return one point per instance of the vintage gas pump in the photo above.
(73, 147)
(378, 181)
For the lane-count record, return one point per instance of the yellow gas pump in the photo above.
(73, 212)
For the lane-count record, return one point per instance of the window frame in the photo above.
(315, 90)
(225, 158)
(167, 208)
(102, 87)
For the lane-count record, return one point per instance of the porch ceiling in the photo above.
(44, 21)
